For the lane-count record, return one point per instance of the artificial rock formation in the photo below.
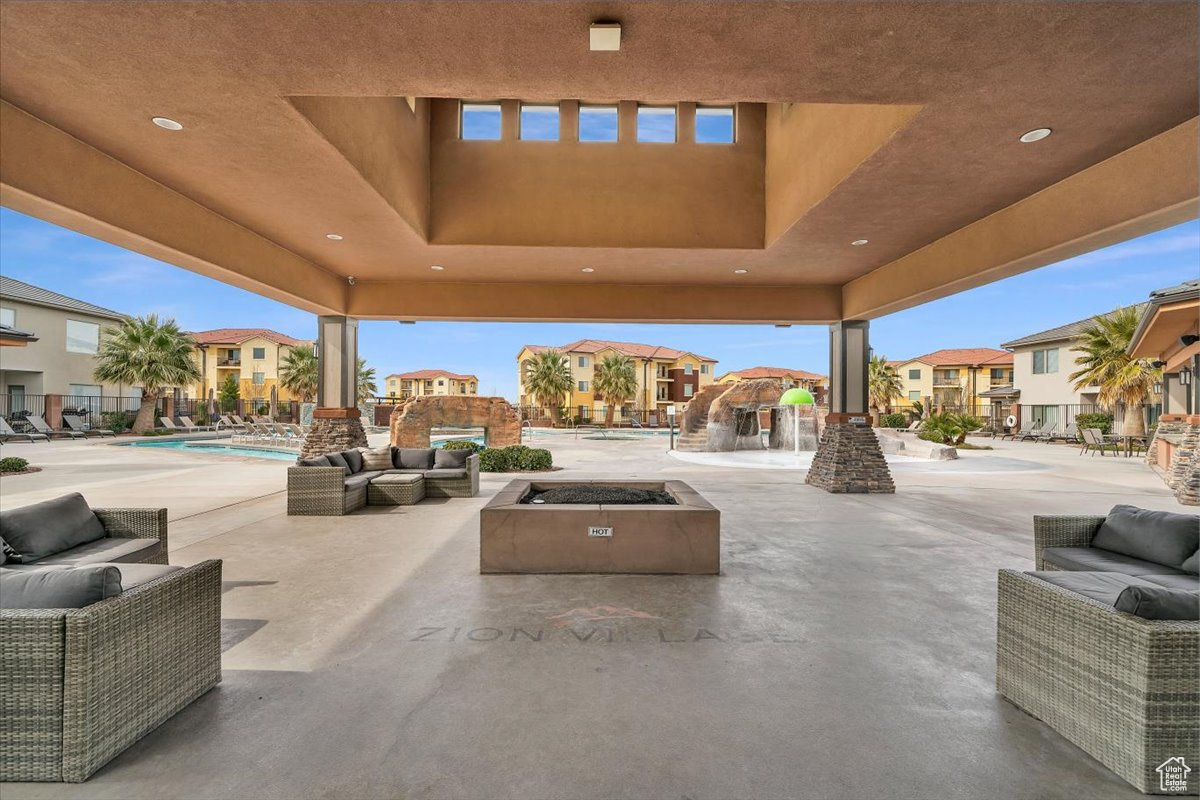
(413, 418)
(849, 460)
(332, 434)
(733, 421)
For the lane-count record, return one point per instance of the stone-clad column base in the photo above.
(849, 460)
(333, 430)
(1184, 476)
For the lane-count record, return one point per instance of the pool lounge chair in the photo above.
(73, 422)
(41, 426)
(1069, 434)
(1032, 432)
(7, 433)
(228, 422)
(187, 421)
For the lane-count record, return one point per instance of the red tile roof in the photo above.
(426, 374)
(625, 348)
(239, 335)
(775, 372)
(970, 356)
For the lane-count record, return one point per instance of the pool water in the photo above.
(442, 442)
(219, 449)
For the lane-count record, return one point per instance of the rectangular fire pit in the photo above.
(681, 538)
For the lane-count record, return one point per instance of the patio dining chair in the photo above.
(74, 422)
(1093, 440)
(41, 426)
(7, 433)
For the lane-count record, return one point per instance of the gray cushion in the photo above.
(369, 474)
(444, 474)
(58, 587)
(136, 574)
(1158, 536)
(376, 459)
(1189, 583)
(354, 459)
(1156, 602)
(394, 477)
(7, 553)
(1192, 565)
(315, 461)
(1102, 586)
(413, 458)
(337, 460)
(102, 551)
(51, 526)
(355, 481)
(1091, 559)
(404, 472)
(451, 459)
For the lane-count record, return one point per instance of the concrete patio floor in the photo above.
(846, 650)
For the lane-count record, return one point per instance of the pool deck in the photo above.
(846, 650)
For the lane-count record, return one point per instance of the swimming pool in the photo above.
(441, 441)
(217, 449)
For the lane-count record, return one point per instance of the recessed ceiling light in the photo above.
(604, 35)
(168, 124)
(1035, 135)
(740, 271)
(587, 269)
(337, 237)
(859, 242)
(437, 268)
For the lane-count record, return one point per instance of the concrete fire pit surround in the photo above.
(682, 539)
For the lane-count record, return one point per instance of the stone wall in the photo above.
(729, 409)
(849, 460)
(1183, 473)
(333, 435)
(413, 418)
(695, 415)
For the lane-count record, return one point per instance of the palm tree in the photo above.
(298, 372)
(548, 378)
(144, 352)
(1106, 363)
(616, 379)
(365, 382)
(883, 384)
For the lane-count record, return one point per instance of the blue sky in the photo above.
(76, 265)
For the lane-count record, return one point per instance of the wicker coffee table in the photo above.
(397, 490)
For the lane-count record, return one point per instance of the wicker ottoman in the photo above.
(396, 490)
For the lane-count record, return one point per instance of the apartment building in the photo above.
(251, 355)
(665, 376)
(955, 377)
(787, 378)
(430, 382)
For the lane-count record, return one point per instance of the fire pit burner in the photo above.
(599, 495)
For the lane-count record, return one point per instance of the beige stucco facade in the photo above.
(950, 384)
(253, 362)
(429, 382)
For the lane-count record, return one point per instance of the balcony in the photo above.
(229, 362)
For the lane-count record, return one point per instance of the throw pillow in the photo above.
(58, 587)
(450, 459)
(413, 458)
(380, 458)
(8, 555)
(315, 461)
(1192, 565)
(1158, 536)
(338, 460)
(51, 526)
(354, 459)
(1159, 603)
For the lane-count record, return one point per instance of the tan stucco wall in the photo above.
(45, 366)
(207, 357)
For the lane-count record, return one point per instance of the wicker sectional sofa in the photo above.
(87, 670)
(315, 488)
(1104, 647)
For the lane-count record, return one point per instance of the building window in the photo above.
(915, 396)
(656, 124)
(83, 390)
(1045, 362)
(583, 362)
(997, 375)
(1046, 415)
(688, 389)
(259, 378)
(598, 123)
(714, 125)
(8, 317)
(704, 369)
(539, 123)
(583, 386)
(480, 121)
(687, 369)
(914, 374)
(441, 381)
(82, 337)
(260, 352)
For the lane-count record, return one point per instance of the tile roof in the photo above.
(625, 348)
(1183, 289)
(775, 372)
(8, 332)
(970, 356)
(1071, 330)
(425, 374)
(13, 289)
(239, 335)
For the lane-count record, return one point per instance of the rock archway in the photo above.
(413, 418)
(733, 422)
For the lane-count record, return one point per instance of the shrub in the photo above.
(494, 459)
(116, 421)
(1095, 420)
(515, 457)
(949, 428)
(463, 444)
(893, 421)
(536, 459)
(13, 464)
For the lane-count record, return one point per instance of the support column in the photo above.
(848, 458)
(336, 421)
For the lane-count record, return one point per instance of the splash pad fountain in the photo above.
(794, 423)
